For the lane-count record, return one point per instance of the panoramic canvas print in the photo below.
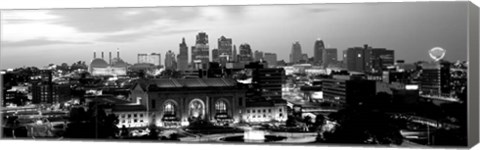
(391, 74)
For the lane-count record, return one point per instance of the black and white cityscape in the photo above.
(392, 74)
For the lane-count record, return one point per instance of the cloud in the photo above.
(107, 20)
(135, 36)
(37, 42)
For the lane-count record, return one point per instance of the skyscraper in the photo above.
(435, 79)
(234, 55)
(296, 54)
(200, 52)
(318, 49)
(258, 55)
(245, 55)
(271, 59)
(380, 59)
(182, 56)
(368, 59)
(170, 62)
(329, 56)
(225, 46)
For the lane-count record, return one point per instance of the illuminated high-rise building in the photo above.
(225, 46)
(200, 52)
(245, 55)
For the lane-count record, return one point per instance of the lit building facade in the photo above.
(201, 51)
(99, 67)
(245, 55)
(266, 111)
(131, 115)
(177, 102)
(153, 58)
(42, 93)
(225, 46)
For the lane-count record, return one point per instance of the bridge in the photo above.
(441, 98)
(426, 121)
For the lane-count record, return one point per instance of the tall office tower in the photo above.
(153, 58)
(296, 54)
(329, 57)
(267, 80)
(234, 55)
(245, 55)
(271, 59)
(200, 52)
(258, 55)
(225, 46)
(347, 90)
(435, 79)
(318, 50)
(170, 62)
(380, 59)
(215, 55)
(182, 57)
(368, 59)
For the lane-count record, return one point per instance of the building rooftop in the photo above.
(128, 108)
(98, 63)
(108, 99)
(188, 83)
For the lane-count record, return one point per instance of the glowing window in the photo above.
(169, 109)
(220, 107)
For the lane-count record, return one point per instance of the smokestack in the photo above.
(102, 54)
(110, 57)
(94, 54)
(118, 54)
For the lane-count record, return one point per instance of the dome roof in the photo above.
(119, 63)
(98, 63)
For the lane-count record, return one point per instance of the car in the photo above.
(139, 132)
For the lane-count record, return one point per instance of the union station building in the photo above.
(177, 102)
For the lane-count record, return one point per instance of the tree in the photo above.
(361, 126)
(291, 121)
(319, 121)
(307, 120)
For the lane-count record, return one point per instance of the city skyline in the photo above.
(272, 29)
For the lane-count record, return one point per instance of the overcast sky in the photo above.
(40, 37)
